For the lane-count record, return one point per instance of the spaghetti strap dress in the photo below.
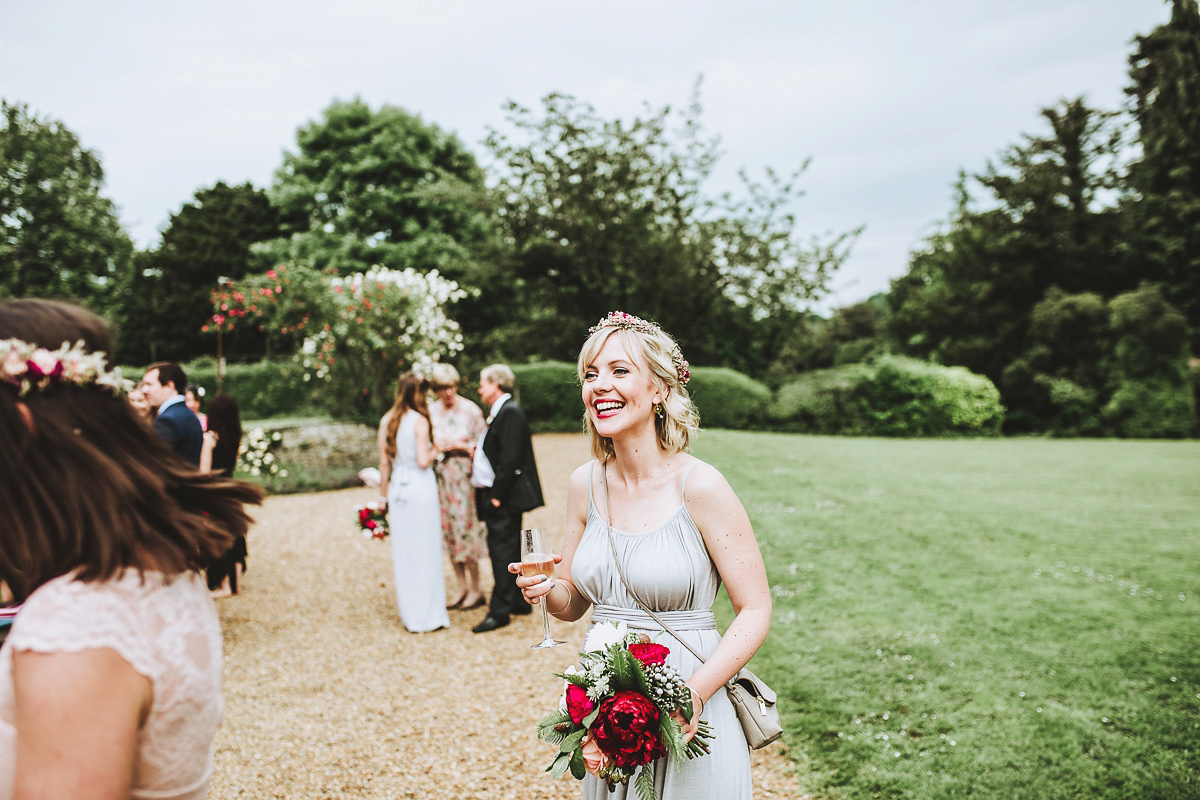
(415, 521)
(672, 573)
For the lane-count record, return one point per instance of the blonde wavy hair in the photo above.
(680, 420)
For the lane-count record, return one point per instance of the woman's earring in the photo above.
(658, 410)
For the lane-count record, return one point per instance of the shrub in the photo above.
(728, 399)
(1153, 409)
(548, 392)
(895, 396)
(822, 401)
(915, 398)
(262, 390)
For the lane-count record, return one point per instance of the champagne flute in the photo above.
(538, 559)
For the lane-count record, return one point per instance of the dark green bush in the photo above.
(549, 394)
(1152, 409)
(262, 390)
(728, 399)
(822, 401)
(908, 397)
(892, 397)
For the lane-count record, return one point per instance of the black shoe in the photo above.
(490, 623)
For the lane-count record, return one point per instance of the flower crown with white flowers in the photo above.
(619, 319)
(32, 368)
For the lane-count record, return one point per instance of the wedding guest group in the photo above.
(650, 526)
(506, 483)
(457, 426)
(409, 489)
(110, 677)
(163, 386)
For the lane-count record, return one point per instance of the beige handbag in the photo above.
(752, 699)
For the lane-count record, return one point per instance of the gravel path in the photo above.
(327, 695)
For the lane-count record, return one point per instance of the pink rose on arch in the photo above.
(579, 705)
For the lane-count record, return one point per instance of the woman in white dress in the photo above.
(110, 679)
(414, 517)
(679, 532)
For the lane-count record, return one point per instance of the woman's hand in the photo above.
(534, 587)
(689, 727)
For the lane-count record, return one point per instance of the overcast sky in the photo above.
(889, 99)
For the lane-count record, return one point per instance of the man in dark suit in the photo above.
(178, 426)
(506, 484)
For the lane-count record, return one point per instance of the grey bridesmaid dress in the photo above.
(672, 573)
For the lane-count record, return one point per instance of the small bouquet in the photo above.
(372, 521)
(615, 712)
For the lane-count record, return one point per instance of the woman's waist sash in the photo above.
(700, 620)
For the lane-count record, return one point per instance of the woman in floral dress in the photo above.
(457, 425)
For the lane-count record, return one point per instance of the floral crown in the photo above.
(32, 368)
(619, 319)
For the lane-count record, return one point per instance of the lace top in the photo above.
(168, 631)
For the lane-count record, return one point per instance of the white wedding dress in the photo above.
(415, 522)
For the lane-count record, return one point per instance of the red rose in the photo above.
(579, 705)
(649, 653)
(626, 730)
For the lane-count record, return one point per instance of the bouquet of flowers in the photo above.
(615, 712)
(372, 521)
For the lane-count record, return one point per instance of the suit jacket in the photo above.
(181, 430)
(508, 446)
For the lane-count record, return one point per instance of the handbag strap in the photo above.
(617, 560)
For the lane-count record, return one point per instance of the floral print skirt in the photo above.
(465, 535)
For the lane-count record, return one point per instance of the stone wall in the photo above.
(328, 446)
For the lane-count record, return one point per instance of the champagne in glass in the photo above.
(538, 559)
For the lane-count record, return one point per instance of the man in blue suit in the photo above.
(163, 386)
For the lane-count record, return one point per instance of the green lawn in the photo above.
(1001, 618)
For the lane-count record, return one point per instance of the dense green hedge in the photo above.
(549, 394)
(262, 390)
(893, 396)
(728, 399)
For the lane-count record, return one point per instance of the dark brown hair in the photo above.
(225, 420)
(86, 486)
(169, 372)
(410, 394)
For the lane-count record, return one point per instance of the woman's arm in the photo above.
(206, 451)
(77, 717)
(385, 463)
(727, 532)
(425, 451)
(562, 599)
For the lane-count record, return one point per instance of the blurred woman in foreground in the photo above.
(110, 678)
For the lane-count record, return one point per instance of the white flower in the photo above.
(604, 635)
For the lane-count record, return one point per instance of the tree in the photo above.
(379, 187)
(58, 236)
(1165, 94)
(1153, 395)
(971, 290)
(168, 301)
(605, 214)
